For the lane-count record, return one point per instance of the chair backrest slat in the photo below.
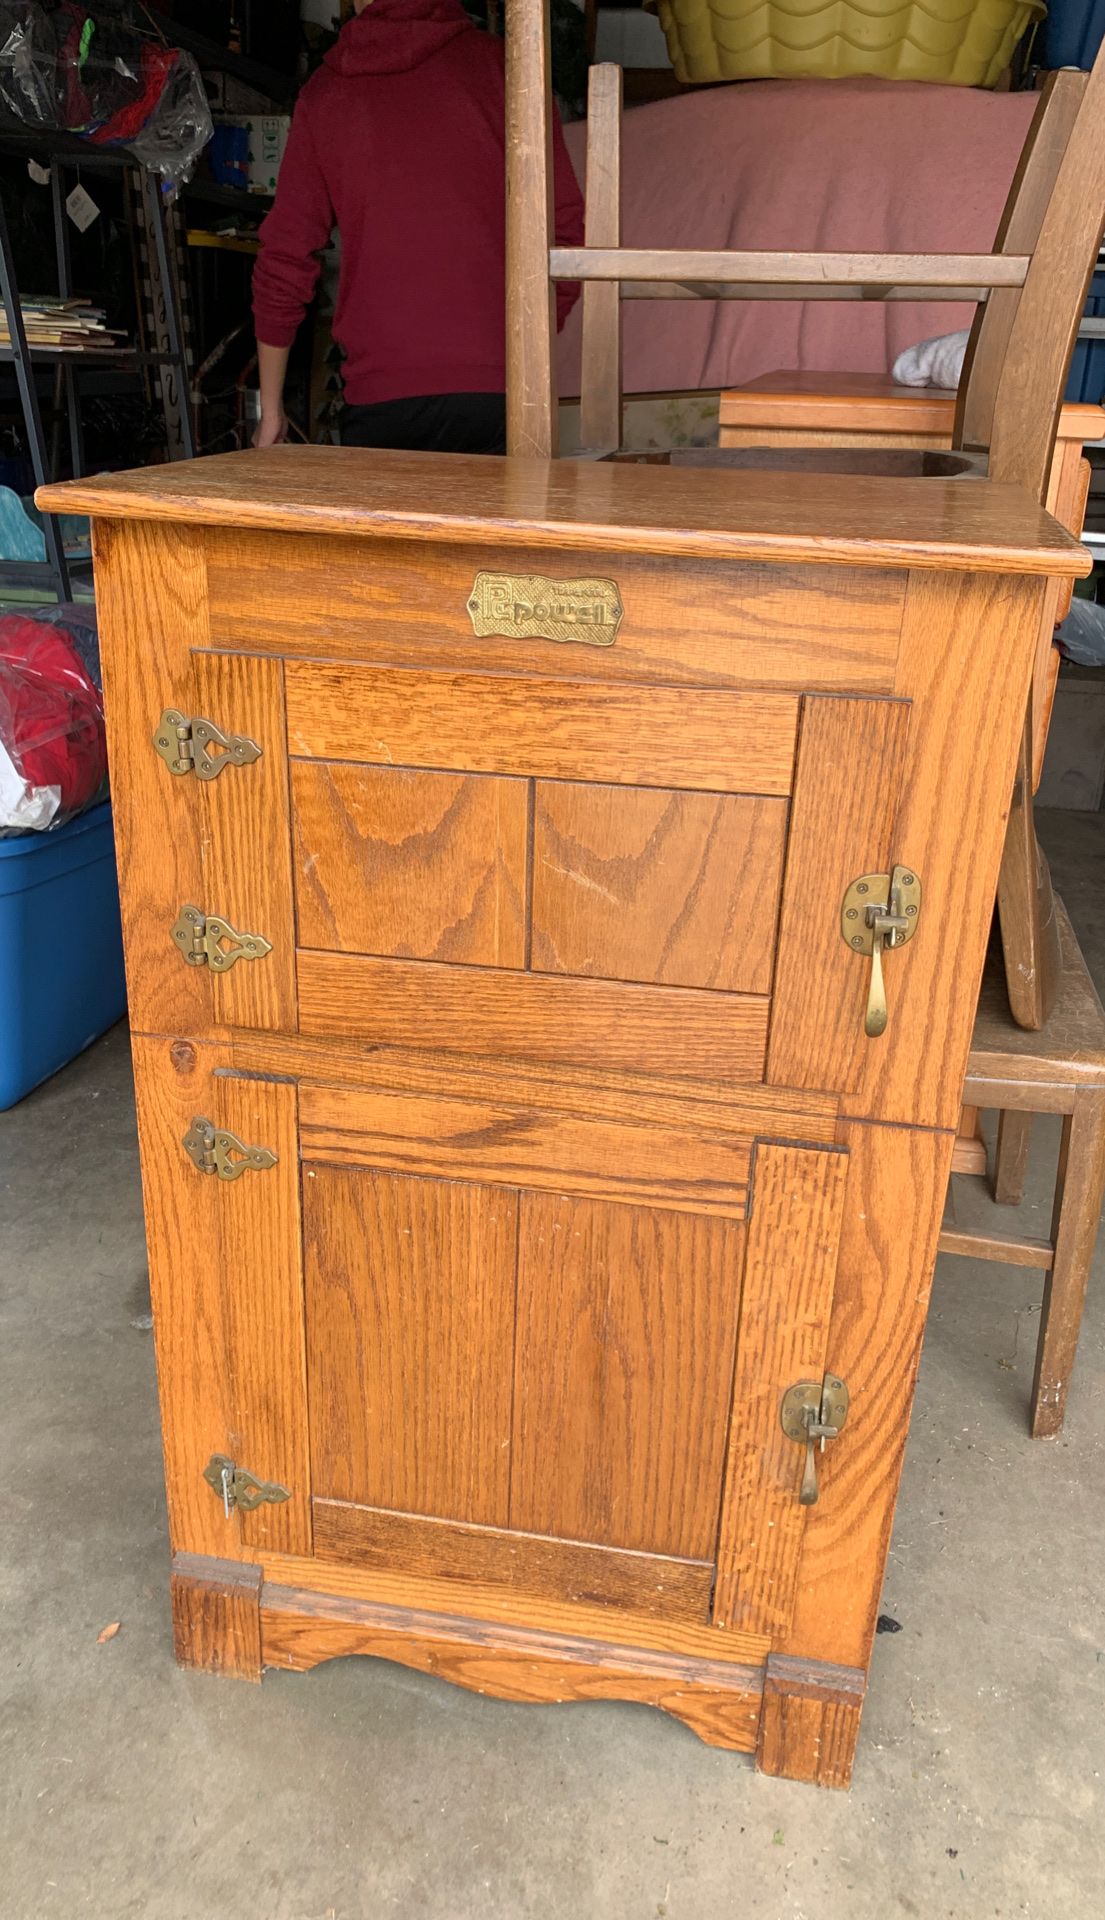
(600, 377)
(531, 414)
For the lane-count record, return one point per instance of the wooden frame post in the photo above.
(531, 419)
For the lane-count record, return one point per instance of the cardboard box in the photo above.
(268, 137)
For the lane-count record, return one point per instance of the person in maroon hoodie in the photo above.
(398, 139)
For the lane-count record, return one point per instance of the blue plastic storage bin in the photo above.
(61, 979)
(1086, 380)
(1073, 32)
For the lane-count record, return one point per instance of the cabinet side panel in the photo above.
(151, 597)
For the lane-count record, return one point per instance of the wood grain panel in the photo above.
(791, 1246)
(228, 1323)
(646, 1583)
(623, 1364)
(560, 729)
(897, 1183)
(468, 1010)
(395, 861)
(246, 840)
(427, 1593)
(636, 884)
(151, 597)
(410, 1331)
(517, 1145)
(703, 622)
(718, 1701)
(644, 1099)
(851, 765)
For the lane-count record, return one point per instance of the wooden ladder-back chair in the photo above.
(1031, 289)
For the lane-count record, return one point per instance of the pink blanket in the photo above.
(864, 165)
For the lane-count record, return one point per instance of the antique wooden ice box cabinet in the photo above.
(555, 902)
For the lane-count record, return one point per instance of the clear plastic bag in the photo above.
(96, 74)
(53, 754)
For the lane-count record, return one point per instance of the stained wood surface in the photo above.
(680, 889)
(810, 1721)
(405, 604)
(851, 766)
(216, 1616)
(391, 860)
(626, 1325)
(721, 1703)
(594, 506)
(589, 1620)
(531, 426)
(805, 400)
(481, 1010)
(865, 270)
(791, 1245)
(410, 1328)
(1076, 1217)
(228, 1325)
(152, 608)
(528, 1563)
(716, 1107)
(491, 723)
(894, 1197)
(513, 1144)
(245, 839)
(600, 381)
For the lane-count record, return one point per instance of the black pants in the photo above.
(431, 423)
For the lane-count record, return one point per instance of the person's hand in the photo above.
(271, 429)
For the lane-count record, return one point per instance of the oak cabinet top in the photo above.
(594, 506)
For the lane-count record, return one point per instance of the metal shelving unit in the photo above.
(54, 572)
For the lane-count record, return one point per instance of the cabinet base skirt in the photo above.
(799, 1718)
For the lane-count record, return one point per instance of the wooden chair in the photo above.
(1060, 1070)
(1031, 290)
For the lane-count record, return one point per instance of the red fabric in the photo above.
(399, 139)
(157, 66)
(51, 717)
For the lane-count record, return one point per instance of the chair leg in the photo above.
(1011, 1157)
(1026, 906)
(1079, 1190)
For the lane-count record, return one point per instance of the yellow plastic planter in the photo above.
(960, 43)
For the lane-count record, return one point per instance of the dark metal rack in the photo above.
(61, 150)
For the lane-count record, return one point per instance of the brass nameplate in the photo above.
(527, 606)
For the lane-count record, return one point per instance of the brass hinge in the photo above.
(186, 746)
(880, 912)
(214, 1150)
(237, 1488)
(205, 940)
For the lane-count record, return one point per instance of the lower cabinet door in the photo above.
(532, 1333)
(569, 1394)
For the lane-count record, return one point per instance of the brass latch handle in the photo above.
(880, 912)
(813, 1412)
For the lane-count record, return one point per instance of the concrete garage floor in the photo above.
(130, 1789)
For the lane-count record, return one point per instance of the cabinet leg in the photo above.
(217, 1615)
(1078, 1194)
(809, 1723)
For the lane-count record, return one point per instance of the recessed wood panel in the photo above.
(484, 1010)
(645, 1583)
(623, 1367)
(641, 884)
(556, 729)
(515, 1144)
(393, 860)
(410, 1329)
